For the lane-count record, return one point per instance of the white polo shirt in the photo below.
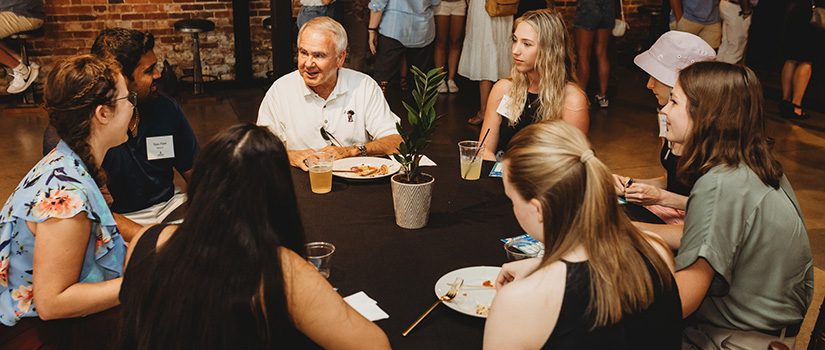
(355, 111)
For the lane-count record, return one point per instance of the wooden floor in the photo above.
(623, 136)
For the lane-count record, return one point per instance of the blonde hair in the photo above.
(555, 63)
(327, 24)
(553, 162)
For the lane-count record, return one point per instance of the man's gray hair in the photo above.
(328, 24)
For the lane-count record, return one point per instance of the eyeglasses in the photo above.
(132, 97)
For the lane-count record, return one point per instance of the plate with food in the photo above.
(364, 168)
(476, 293)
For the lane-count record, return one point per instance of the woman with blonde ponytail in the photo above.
(61, 254)
(602, 284)
(541, 86)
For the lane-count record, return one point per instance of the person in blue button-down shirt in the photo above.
(398, 28)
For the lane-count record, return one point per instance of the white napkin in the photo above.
(366, 306)
(425, 161)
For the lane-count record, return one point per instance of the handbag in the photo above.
(818, 16)
(497, 8)
(621, 25)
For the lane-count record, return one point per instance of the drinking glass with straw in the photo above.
(470, 161)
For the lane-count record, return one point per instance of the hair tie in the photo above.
(587, 155)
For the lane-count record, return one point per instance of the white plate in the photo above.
(347, 163)
(476, 275)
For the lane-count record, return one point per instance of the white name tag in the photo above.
(160, 147)
(662, 125)
(502, 107)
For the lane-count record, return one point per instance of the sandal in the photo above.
(801, 116)
(476, 120)
(785, 109)
(383, 86)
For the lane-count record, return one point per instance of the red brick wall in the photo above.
(71, 26)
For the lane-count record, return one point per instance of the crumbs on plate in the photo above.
(482, 309)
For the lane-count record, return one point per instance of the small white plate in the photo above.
(468, 298)
(347, 163)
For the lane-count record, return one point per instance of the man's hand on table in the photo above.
(342, 152)
(297, 158)
(516, 270)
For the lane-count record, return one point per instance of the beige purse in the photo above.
(621, 25)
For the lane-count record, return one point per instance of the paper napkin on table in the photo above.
(366, 306)
(425, 161)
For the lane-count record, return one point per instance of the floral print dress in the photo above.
(57, 187)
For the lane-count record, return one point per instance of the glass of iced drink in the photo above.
(471, 154)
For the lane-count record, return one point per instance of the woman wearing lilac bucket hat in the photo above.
(664, 196)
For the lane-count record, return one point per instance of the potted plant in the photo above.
(412, 189)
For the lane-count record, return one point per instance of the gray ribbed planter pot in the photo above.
(412, 202)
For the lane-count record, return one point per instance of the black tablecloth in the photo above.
(399, 267)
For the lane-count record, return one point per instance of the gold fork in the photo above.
(455, 286)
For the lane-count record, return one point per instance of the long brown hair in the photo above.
(555, 63)
(553, 162)
(725, 105)
(74, 89)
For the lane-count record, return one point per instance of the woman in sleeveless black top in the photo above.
(602, 283)
(541, 84)
(232, 274)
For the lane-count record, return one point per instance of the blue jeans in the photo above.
(309, 12)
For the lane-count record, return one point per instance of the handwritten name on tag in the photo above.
(160, 147)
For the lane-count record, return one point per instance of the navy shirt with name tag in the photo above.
(136, 182)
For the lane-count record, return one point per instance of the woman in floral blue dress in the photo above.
(73, 268)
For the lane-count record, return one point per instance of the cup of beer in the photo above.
(320, 171)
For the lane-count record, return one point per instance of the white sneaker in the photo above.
(452, 86)
(442, 89)
(602, 101)
(22, 80)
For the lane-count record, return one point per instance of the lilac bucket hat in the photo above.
(673, 51)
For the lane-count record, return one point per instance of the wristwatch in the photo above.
(362, 148)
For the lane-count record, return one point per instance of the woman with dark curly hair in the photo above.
(61, 254)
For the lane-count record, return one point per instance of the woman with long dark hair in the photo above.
(602, 283)
(232, 275)
(744, 265)
(541, 86)
(61, 254)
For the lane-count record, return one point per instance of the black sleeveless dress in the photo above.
(657, 327)
(144, 255)
(528, 116)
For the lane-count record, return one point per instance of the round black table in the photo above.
(399, 267)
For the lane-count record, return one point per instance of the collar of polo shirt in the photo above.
(339, 89)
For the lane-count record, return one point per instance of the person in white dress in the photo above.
(486, 56)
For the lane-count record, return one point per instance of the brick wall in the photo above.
(71, 26)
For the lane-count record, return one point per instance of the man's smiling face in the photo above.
(318, 60)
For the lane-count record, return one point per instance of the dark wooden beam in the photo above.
(243, 41)
(282, 36)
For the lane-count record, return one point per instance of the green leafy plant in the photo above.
(423, 122)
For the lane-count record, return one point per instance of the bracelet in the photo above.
(373, 29)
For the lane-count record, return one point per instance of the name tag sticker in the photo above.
(662, 125)
(160, 147)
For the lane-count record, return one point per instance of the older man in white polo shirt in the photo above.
(322, 97)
